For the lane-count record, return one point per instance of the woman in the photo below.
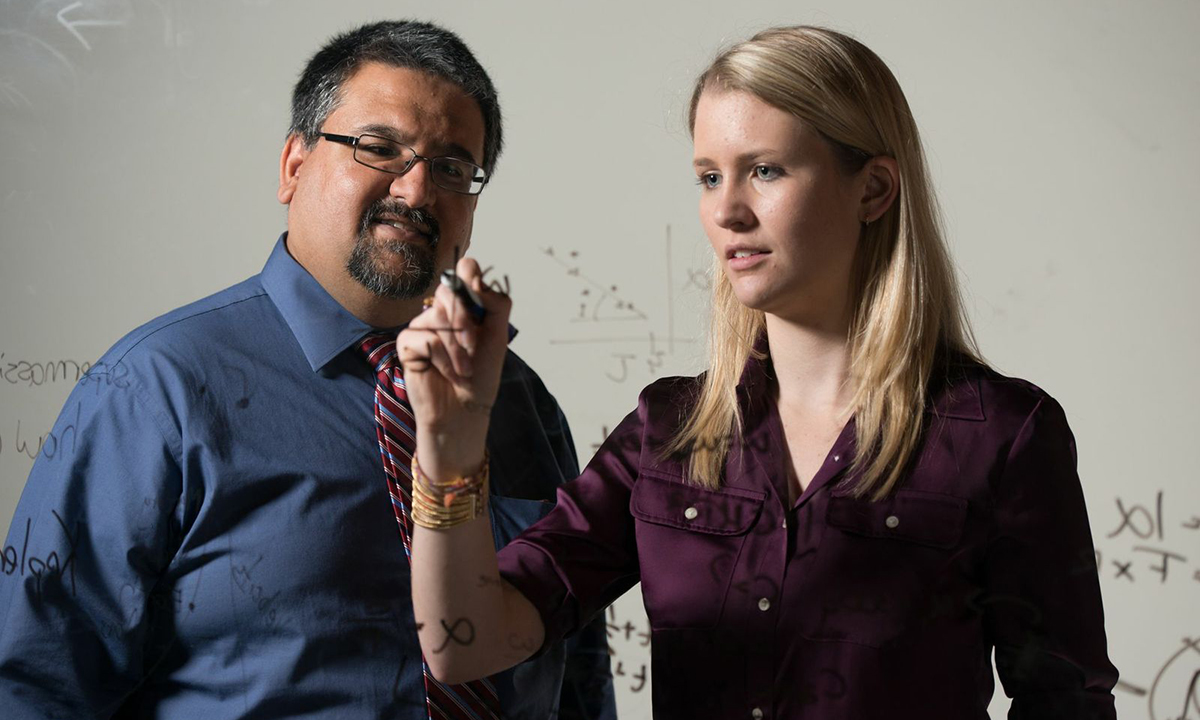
(848, 511)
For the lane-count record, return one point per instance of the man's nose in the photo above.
(415, 185)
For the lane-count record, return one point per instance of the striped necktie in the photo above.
(395, 426)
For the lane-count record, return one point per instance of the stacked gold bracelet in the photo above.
(444, 505)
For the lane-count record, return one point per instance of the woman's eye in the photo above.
(708, 180)
(766, 172)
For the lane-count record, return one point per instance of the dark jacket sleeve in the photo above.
(1043, 609)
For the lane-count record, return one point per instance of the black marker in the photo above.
(469, 298)
(467, 295)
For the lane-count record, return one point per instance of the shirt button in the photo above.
(892, 521)
(837, 458)
(690, 513)
(756, 713)
(764, 604)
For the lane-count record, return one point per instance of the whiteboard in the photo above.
(139, 143)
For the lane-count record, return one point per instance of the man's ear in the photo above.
(295, 151)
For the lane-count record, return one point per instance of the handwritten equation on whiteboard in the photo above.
(1147, 539)
(636, 339)
(631, 671)
(1150, 542)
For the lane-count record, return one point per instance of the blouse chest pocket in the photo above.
(689, 540)
(884, 568)
(911, 516)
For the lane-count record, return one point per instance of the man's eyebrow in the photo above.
(452, 149)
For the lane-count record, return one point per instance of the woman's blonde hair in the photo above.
(907, 314)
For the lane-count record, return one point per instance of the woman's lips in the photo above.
(744, 263)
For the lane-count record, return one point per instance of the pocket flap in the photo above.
(920, 517)
(728, 511)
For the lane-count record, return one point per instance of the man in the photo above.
(221, 542)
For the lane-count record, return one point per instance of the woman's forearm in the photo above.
(470, 621)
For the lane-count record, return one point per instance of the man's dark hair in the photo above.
(399, 43)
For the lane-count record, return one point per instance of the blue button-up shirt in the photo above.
(212, 536)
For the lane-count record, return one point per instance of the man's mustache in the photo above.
(384, 209)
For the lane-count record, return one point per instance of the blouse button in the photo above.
(756, 713)
(837, 458)
(764, 604)
(690, 513)
(892, 521)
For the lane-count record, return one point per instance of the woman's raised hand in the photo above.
(452, 369)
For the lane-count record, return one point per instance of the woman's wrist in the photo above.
(447, 502)
(451, 450)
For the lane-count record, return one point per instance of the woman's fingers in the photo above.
(421, 351)
(445, 317)
(421, 346)
(497, 305)
(457, 358)
(457, 332)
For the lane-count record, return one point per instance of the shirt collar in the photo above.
(955, 392)
(322, 327)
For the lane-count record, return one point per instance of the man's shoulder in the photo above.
(516, 370)
(518, 379)
(195, 327)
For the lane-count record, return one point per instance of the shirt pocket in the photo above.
(689, 541)
(881, 566)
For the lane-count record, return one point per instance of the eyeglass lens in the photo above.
(390, 156)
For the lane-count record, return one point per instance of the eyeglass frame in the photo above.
(354, 141)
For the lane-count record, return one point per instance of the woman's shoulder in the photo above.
(672, 388)
(664, 403)
(968, 389)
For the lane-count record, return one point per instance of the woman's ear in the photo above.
(881, 185)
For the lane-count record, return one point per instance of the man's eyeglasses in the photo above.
(394, 157)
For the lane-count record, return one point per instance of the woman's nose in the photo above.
(730, 211)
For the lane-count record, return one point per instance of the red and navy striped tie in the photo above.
(396, 427)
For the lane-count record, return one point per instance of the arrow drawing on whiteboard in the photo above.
(70, 25)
